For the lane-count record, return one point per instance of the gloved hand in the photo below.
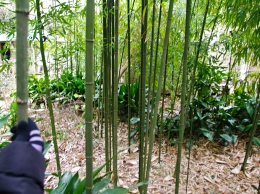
(28, 132)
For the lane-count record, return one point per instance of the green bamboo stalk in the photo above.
(215, 20)
(156, 52)
(197, 53)
(183, 95)
(158, 93)
(47, 81)
(90, 10)
(22, 14)
(115, 94)
(142, 94)
(256, 118)
(191, 91)
(150, 81)
(129, 74)
(100, 99)
(161, 125)
(109, 69)
(172, 106)
(189, 148)
(56, 47)
(106, 82)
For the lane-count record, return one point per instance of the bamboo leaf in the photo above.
(248, 127)
(81, 187)
(95, 172)
(134, 120)
(48, 190)
(249, 109)
(47, 145)
(190, 144)
(139, 184)
(256, 141)
(3, 144)
(73, 183)
(232, 122)
(226, 137)
(199, 114)
(4, 120)
(234, 139)
(60, 189)
(65, 178)
(101, 184)
(241, 128)
(209, 135)
(117, 190)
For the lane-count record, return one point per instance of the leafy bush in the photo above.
(123, 98)
(68, 87)
(65, 88)
(212, 119)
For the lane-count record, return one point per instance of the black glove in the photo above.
(28, 132)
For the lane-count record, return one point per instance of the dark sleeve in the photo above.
(21, 169)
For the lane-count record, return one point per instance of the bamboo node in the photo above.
(22, 11)
(89, 40)
(89, 83)
(19, 101)
(89, 157)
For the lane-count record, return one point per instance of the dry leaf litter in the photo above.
(213, 168)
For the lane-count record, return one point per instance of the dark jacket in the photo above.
(21, 169)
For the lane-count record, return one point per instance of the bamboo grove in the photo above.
(191, 52)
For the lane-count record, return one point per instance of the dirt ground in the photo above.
(214, 169)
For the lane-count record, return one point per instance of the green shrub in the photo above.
(212, 119)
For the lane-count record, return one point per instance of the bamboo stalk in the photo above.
(159, 89)
(90, 10)
(183, 95)
(253, 130)
(47, 81)
(22, 14)
(115, 94)
(142, 94)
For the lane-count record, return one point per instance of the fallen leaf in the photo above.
(154, 158)
(209, 179)
(131, 162)
(242, 161)
(48, 178)
(237, 169)
(221, 162)
(75, 169)
(248, 174)
(121, 182)
(81, 156)
(168, 178)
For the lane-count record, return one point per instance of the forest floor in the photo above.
(214, 169)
